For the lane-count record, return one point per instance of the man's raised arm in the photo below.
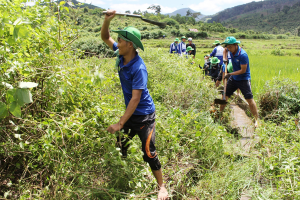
(105, 36)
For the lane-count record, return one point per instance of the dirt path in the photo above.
(245, 128)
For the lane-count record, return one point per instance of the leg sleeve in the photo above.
(147, 136)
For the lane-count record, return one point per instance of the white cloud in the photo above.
(129, 0)
(93, 2)
(209, 7)
(122, 7)
(165, 9)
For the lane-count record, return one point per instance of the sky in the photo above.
(206, 7)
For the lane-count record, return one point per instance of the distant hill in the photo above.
(183, 12)
(74, 3)
(267, 16)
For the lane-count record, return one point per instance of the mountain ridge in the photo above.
(183, 11)
(266, 16)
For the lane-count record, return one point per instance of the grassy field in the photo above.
(53, 138)
(269, 59)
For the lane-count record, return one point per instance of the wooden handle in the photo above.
(125, 14)
(225, 82)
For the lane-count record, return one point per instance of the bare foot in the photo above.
(256, 124)
(163, 193)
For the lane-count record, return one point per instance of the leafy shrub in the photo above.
(97, 29)
(170, 22)
(282, 37)
(278, 52)
(175, 32)
(153, 34)
(92, 46)
(280, 100)
(200, 34)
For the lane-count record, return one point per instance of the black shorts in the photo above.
(244, 86)
(144, 127)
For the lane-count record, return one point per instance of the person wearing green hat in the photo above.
(139, 117)
(218, 51)
(182, 45)
(189, 50)
(174, 46)
(240, 77)
(222, 73)
(206, 64)
(191, 44)
(214, 68)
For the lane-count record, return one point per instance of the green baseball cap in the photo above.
(216, 42)
(189, 48)
(231, 40)
(214, 60)
(176, 40)
(183, 37)
(132, 34)
(229, 68)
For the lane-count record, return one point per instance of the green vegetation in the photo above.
(53, 138)
(273, 16)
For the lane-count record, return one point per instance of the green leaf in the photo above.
(62, 3)
(28, 85)
(57, 45)
(198, 133)
(47, 50)
(15, 109)
(11, 41)
(11, 95)
(67, 9)
(53, 28)
(3, 110)
(16, 32)
(23, 32)
(24, 96)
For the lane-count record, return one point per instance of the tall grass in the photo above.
(264, 68)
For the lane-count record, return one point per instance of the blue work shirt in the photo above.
(134, 76)
(174, 48)
(218, 52)
(181, 47)
(240, 58)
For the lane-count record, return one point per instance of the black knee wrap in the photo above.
(154, 164)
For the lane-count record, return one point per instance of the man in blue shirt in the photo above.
(240, 77)
(182, 45)
(139, 117)
(174, 46)
(218, 51)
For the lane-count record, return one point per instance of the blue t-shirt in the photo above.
(218, 52)
(240, 58)
(134, 76)
(181, 47)
(174, 48)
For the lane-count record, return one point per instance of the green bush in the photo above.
(170, 22)
(282, 37)
(153, 34)
(195, 35)
(280, 100)
(92, 46)
(97, 29)
(278, 52)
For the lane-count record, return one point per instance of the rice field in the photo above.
(269, 59)
(268, 67)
